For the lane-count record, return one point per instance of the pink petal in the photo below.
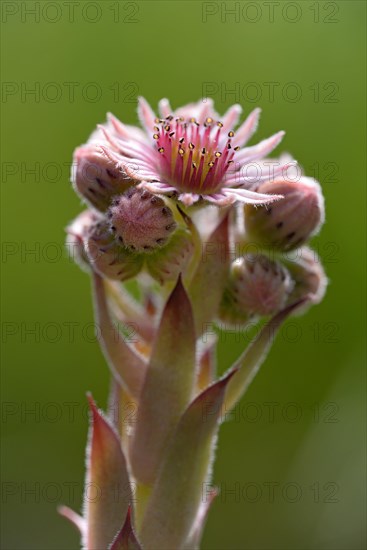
(108, 136)
(135, 169)
(259, 173)
(157, 187)
(118, 126)
(247, 128)
(260, 150)
(199, 110)
(206, 110)
(250, 197)
(165, 108)
(188, 198)
(220, 199)
(231, 117)
(126, 131)
(134, 148)
(146, 115)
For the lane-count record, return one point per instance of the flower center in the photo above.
(193, 157)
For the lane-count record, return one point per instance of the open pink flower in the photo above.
(190, 154)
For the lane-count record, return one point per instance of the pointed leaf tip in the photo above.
(194, 538)
(207, 364)
(109, 493)
(126, 538)
(178, 297)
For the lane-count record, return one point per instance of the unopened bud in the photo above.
(257, 286)
(167, 263)
(107, 257)
(76, 234)
(96, 178)
(290, 222)
(141, 221)
(309, 278)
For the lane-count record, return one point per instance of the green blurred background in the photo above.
(297, 467)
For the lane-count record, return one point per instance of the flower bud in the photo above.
(257, 286)
(141, 221)
(309, 277)
(76, 233)
(107, 257)
(289, 222)
(168, 262)
(96, 178)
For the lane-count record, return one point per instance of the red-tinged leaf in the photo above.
(126, 365)
(206, 288)
(74, 518)
(194, 538)
(207, 362)
(254, 355)
(107, 492)
(126, 538)
(168, 387)
(177, 493)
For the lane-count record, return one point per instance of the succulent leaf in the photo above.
(207, 285)
(194, 538)
(207, 361)
(168, 386)
(126, 538)
(126, 365)
(108, 492)
(177, 494)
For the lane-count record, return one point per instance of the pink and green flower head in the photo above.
(190, 154)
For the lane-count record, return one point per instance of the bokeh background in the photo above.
(291, 464)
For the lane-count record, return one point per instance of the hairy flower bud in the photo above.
(76, 234)
(168, 262)
(289, 222)
(107, 257)
(309, 277)
(257, 286)
(96, 178)
(141, 221)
